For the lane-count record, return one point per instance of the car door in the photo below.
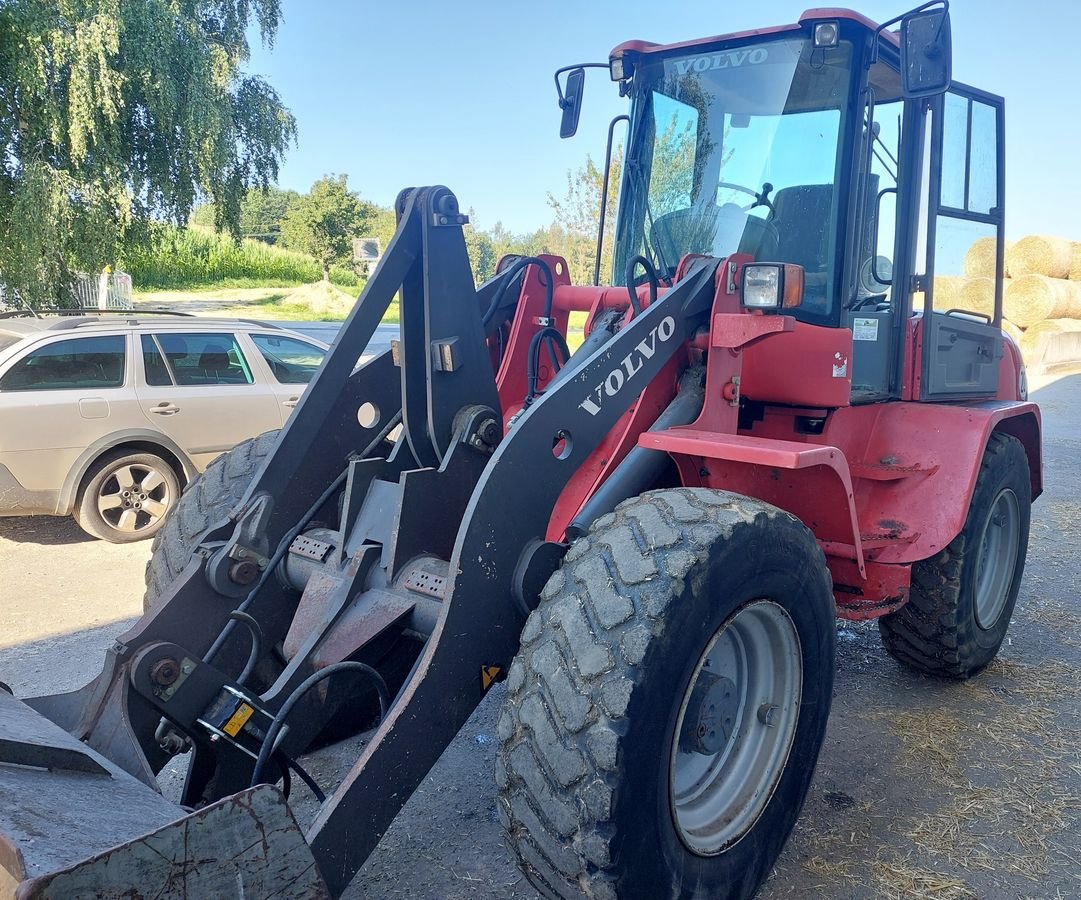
(200, 389)
(57, 399)
(291, 362)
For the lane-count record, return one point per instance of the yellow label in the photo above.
(238, 719)
(489, 675)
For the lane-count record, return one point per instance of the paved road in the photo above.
(924, 789)
(327, 331)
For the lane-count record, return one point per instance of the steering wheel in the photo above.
(761, 198)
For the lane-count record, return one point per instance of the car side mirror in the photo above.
(570, 101)
(926, 52)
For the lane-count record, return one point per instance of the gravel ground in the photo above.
(924, 789)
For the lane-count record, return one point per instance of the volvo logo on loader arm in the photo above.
(632, 363)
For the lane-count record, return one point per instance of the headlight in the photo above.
(771, 286)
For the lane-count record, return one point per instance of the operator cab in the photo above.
(813, 144)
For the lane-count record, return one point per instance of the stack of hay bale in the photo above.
(975, 290)
(1041, 305)
(1044, 298)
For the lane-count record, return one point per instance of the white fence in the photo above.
(112, 291)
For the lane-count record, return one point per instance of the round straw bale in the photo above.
(981, 258)
(978, 295)
(1012, 330)
(1040, 255)
(1054, 342)
(1033, 298)
(1075, 261)
(947, 294)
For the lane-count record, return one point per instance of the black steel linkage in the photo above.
(311, 452)
(479, 622)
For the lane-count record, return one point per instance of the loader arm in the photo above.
(435, 529)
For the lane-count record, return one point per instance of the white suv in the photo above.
(106, 418)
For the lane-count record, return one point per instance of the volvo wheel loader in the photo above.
(768, 424)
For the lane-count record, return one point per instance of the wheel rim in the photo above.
(735, 729)
(997, 558)
(133, 497)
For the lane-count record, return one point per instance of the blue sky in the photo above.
(461, 94)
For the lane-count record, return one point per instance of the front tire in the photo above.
(665, 713)
(207, 500)
(962, 599)
(126, 497)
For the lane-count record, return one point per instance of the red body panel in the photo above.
(821, 357)
(882, 486)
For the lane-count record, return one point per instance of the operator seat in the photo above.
(709, 229)
(800, 235)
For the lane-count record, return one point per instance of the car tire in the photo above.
(610, 711)
(207, 500)
(962, 598)
(126, 496)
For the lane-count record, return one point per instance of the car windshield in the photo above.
(738, 150)
(8, 340)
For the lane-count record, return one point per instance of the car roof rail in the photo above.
(93, 310)
(262, 324)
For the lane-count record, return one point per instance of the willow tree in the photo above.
(117, 113)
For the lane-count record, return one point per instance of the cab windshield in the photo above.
(738, 149)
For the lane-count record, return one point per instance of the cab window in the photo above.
(75, 364)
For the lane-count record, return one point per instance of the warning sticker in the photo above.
(238, 719)
(865, 329)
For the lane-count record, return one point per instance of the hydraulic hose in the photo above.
(266, 751)
(508, 277)
(651, 274)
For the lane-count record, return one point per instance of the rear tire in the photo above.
(126, 497)
(208, 499)
(610, 700)
(962, 599)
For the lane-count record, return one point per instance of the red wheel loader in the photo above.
(769, 423)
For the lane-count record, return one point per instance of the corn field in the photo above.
(178, 259)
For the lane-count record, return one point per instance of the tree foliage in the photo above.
(323, 222)
(262, 211)
(578, 212)
(114, 114)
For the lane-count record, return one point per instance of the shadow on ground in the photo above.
(42, 530)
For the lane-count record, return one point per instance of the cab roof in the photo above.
(811, 15)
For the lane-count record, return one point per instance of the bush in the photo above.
(180, 259)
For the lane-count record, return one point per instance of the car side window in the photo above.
(75, 364)
(201, 359)
(292, 361)
(154, 366)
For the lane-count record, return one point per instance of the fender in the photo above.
(66, 501)
(913, 469)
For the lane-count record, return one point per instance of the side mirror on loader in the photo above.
(926, 51)
(570, 101)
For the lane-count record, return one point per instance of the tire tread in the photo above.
(560, 730)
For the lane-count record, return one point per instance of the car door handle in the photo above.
(165, 409)
(291, 402)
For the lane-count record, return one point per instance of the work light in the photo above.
(826, 34)
(769, 286)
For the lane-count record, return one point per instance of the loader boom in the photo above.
(435, 464)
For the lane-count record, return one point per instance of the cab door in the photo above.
(962, 338)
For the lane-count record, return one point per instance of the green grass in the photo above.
(193, 258)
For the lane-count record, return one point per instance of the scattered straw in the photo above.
(898, 881)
